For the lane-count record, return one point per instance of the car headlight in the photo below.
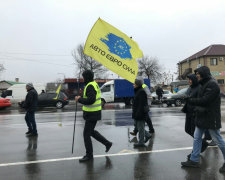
(169, 97)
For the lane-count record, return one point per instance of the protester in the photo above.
(139, 111)
(147, 118)
(208, 116)
(91, 101)
(189, 109)
(30, 104)
(159, 93)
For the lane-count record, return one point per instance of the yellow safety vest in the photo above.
(96, 106)
(144, 85)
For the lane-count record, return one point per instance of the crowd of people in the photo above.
(202, 108)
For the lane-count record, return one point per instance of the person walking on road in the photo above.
(159, 93)
(208, 116)
(91, 101)
(147, 118)
(30, 104)
(139, 111)
(189, 109)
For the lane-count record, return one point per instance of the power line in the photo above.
(34, 61)
(35, 54)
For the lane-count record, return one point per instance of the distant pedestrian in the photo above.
(189, 109)
(91, 101)
(159, 92)
(139, 113)
(208, 116)
(30, 104)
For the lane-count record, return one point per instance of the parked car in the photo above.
(177, 99)
(4, 103)
(154, 97)
(51, 100)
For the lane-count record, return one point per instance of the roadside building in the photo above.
(212, 56)
(4, 85)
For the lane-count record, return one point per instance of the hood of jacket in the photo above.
(205, 74)
(193, 79)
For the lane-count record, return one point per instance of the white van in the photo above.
(17, 92)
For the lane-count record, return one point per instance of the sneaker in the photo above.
(137, 145)
(222, 169)
(133, 133)
(86, 158)
(190, 163)
(108, 146)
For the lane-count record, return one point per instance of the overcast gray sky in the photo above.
(36, 37)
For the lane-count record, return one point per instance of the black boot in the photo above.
(108, 146)
(190, 163)
(204, 145)
(134, 133)
(86, 158)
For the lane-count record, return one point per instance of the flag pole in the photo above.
(74, 126)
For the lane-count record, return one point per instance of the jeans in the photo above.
(140, 124)
(88, 132)
(30, 120)
(216, 137)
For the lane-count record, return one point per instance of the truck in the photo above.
(119, 90)
(17, 92)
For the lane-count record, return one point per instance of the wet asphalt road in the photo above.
(49, 156)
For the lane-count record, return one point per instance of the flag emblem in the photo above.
(117, 46)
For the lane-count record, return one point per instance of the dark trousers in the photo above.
(88, 132)
(159, 97)
(148, 121)
(30, 120)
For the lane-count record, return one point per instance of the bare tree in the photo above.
(150, 68)
(1, 69)
(84, 62)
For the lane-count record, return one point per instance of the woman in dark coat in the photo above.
(189, 109)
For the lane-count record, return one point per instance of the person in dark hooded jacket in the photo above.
(208, 116)
(189, 109)
(91, 101)
(139, 113)
(30, 104)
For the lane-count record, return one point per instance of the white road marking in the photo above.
(96, 156)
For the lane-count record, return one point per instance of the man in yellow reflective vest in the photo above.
(91, 101)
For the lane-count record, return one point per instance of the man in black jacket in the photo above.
(208, 115)
(30, 104)
(139, 111)
(91, 101)
(159, 93)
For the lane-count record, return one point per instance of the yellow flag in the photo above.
(113, 49)
(57, 92)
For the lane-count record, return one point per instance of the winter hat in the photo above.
(30, 85)
(88, 76)
(139, 81)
